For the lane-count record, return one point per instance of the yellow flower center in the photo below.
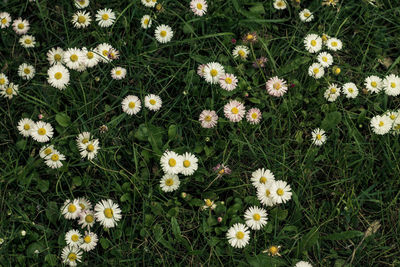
(249, 37)
(2, 81)
(392, 116)
(240, 235)
(267, 192)
(108, 213)
(27, 71)
(41, 131)
(307, 14)
(85, 140)
(87, 239)
(277, 86)
(158, 6)
(3, 21)
(9, 91)
(118, 72)
(279, 191)
(81, 19)
(169, 182)
(256, 217)
(89, 218)
(324, 37)
(316, 70)
(213, 72)
(163, 33)
(82, 2)
(263, 179)
(374, 84)
(105, 17)
(324, 59)
(235, 110)
(381, 123)
(337, 71)
(82, 206)
(313, 42)
(132, 105)
(105, 53)
(207, 118)
(90, 55)
(21, 26)
(172, 162)
(228, 80)
(273, 250)
(58, 75)
(152, 101)
(146, 21)
(73, 58)
(75, 238)
(57, 57)
(55, 157)
(90, 148)
(254, 115)
(199, 6)
(334, 44)
(222, 171)
(280, 4)
(393, 85)
(333, 90)
(72, 256)
(28, 41)
(71, 208)
(47, 151)
(319, 136)
(208, 202)
(351, 90)
(27, 127)
(397, 127)
(241, 53)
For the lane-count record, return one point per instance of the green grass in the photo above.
(339, 189)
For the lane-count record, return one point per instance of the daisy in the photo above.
(222, 169)
(26, 71)
(381, 124)
(91, 57)
(27, 41)
(71, 255)
(9, 91)
(71, 209)
(273, 251)
(171, 162)
(392, 115)
(280, 192)
(25, 126)
(255, 217)
(325, 59)
(81, 3)
(90, 149)
(86, 219)
(169, 182)
(200, 70)
(83, 138)
(276, 87)
(146, 22)
(149, 3)
(234, 111)
(253, 116)
(199, 7)
(118, 73)
(113, 54)
(104, 50)
(58, 76)
(163, 33)
(189, 164)
(240, 51)
(42, 131)
(373, 84)
(350, 90)
(73, 238)
(261, 177)
(212, 72)
(250, 37)
(334, 44)
(208, 204)
(330, 2)
(228, 82)
(3, 80)
(260, 62)
(325, 37)
(318, 137)
(238, 235)
(303, 264)
(55, 55)
(89, 241)
(53, 160)
(208, 118)
(332, 93)
(45, 151)
(152, 102)
(107, 213)
(264, 194)
(280, 4)
(131, 105)
(105, 17)
(84, 204)
(396, 125)
(81, 19)
(316, 71)
(5, 20)
(74, 58)
(391, 85)
(313, 43)
(306, 15)
(20, 26)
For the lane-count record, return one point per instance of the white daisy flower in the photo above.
(208, 118)
(81, 19)
(213, 71)
(5, 20)
(316, 71)
(280, 192)
(238, 235)
(332, 93)
(325, 59)
(163, 33)
(105, 17)
(89, 241)
(198, 7)
(241, 51)
(42, 131)
(396, 125)
(73, 238)
(71, 255)
(9, 91)
(334, 44)
(84, 203)
(3, 80)
(55, 55)
(25, 126)
(83, 138)
(276, 86)
(209, 204)
(26, 71)
(264, 194)
(313, 43)
(27, 41)
(280, 4)
(21, 26)
(54, 160)
(81, 3)
(107, 213)
(86, 219)
(303, 264)
(90, 149)
(152, 102)
(104, 51)
(118, 73)
(45, 151)
(392, 115)
(318, 137)
(228, 81)
(350, 90)
(391, 85)
(261, 177)
(74, 58)
(189, 164)
(169, 182)
(234, 111)
(146, 21)
(131, 105)
(171, 162)
(306, 15)
(253, 116)
(200, 70)
(91, 57)
(256, 218)
(71, 209)
(58, 76)
(149, 3)
(381, 124)
(373, 84)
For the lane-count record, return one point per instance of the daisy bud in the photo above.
(219, 219)
(1, 240)
(233, 41)
(23, 233)
(292, 85)
(336, 70)
(40, 116)
(183, 195)
(207, 139)
(97, 79)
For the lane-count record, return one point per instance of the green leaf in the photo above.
(308, 240)
(43, 185)
(30, 251)
(63, 119)
(175, 228)
(77, 181)
(51, 259)
(263, 260)
(343, 235)
(52, 212)
(172, 130)
(279, 213)
(21, 144)
(257, 8)
(331, 120)
(104, 243)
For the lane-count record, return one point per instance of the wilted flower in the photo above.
(221, 169)
(260, 62)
